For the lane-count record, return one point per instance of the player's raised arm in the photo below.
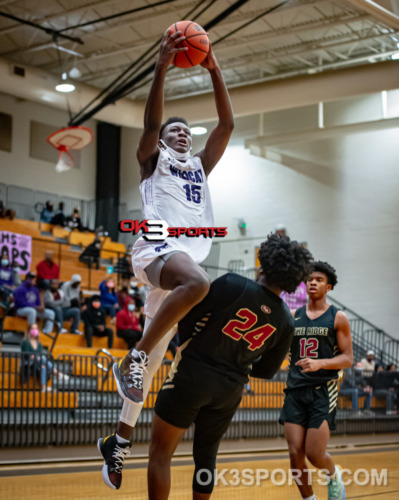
(220, 135)
(344, 341)
(155, 102)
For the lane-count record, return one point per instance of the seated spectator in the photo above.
(6, 271)
(59, 218)
(34, 362)
(95, 320)
(71, 291)
(384, 385)
(296, 299)
(6, 212)
(122, 295)
(28, 304)
(47, 213)
(127, 323)
(368, 364)
(123, 267)
(15, 272)
(355, 386)
(47, 270)
(109, 300)
(391, 367)
(91, 254)
(54, 299)
(74, 221)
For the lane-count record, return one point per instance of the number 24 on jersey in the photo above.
(237, 329)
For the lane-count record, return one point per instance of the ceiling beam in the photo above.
(293, 92)
(378, 12)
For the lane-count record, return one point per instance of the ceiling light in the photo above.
(198, 130)
(395, 56)
(65, 87)
(75, 73)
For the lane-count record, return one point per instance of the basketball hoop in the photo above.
(68, 139)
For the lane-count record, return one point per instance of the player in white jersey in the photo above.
(174, 188)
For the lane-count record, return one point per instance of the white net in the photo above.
(65, 162)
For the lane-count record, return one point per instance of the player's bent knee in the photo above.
(198, 287)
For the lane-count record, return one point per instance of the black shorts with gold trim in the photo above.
(309, 406)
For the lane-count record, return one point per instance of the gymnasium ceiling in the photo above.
(301, 37)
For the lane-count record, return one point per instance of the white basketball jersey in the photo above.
(178, 193)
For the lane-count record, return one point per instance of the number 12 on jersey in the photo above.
(256, 337)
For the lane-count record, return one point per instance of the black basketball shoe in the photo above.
(114, 454)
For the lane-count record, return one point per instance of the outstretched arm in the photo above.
(220, 135)
(344, 341)
(154, 106)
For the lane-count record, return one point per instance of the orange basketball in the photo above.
(197, 43)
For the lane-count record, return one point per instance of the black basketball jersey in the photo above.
(238, 322)
(314, 339)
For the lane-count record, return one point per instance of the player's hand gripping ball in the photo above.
(197, 43)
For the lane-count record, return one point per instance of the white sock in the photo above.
(121, 439)
(135, 354)
(312, 497)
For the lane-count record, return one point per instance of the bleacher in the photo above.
(89, 398)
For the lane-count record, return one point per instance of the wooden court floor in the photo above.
(83, 480)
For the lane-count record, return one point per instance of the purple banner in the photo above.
(19, 249)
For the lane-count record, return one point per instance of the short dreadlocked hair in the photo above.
(172, 119)
(285, 263)
(325, 268)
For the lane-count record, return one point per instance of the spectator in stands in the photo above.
(6, 212)
(47, 270)
(71, 291)
(29, 305)
(74, 221)
(122, 295)
(47, 212)
(123, 267)
(91, 254)
(54, 299)
(368, 363)
(59, 218)
(391, 367)
(15, 272)
(95, 322)
(385, 384)
(354, 385)
(109, 299)
(6, 271)
(127, 323)
(34, 362)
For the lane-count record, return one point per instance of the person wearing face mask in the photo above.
(29, 305)
(7, 283)
(91, 254)
(109, 299)
(54, 299)
(174, 188)
(6, 272)
(34, 362)
(95, 320)
(127, 323)
(71, 291)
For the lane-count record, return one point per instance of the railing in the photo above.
(85, 406)
(367, 336)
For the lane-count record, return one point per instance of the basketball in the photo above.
(197, 43)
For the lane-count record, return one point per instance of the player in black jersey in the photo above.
(239, 322)
(322, 346)
(242, 327)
